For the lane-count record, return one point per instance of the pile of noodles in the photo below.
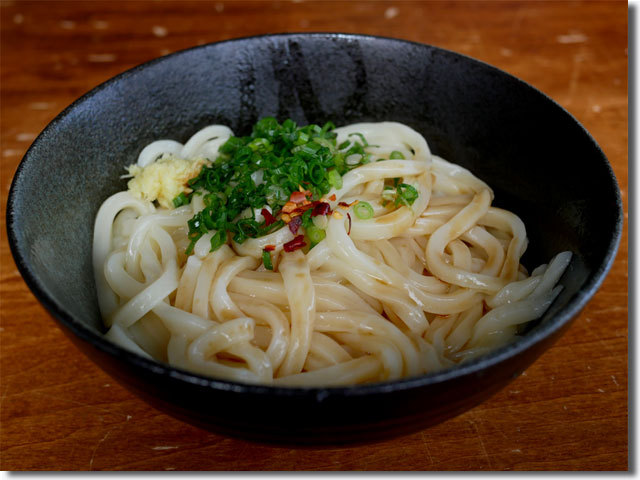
(410, 291)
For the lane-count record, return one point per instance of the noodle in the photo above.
(407, 288)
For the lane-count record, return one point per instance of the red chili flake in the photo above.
(300, 210)
(268, 218)
(298, 197)
(349, 217)
(289, 207)
(321, 208)
(294, 224)
(294, 244)
(269, 248)
(333, 197)
(343, 205)
(304, 207)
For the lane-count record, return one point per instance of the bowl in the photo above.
(541, 163)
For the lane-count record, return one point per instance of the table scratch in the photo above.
(425, 442)
(484, 449)
(4, 394)
(95, 449)
(575, 74)
(76, 402)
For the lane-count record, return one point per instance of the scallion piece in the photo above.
(364, 141)
(335, 179)
(316, 173)
(406, 194)
(388, 193)
(302, 138)
(261, 144)
(181, 199)
(315, 234)
(363, 210)
(218, 240)
(306, 218)
(396, 155)
(266, 260)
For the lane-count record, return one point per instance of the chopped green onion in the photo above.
(263, 169)
(261, 144)
(396, 155)
(364, 141)
(306, 218)
(315, 234)
(192, 244)
(363, 210)
(218, 240)
(246, 228)
(326, 128)
(231, 145)
(316, 173)
(266, 260)
(407, 194)
(275, 195)
(388, 193)
(320, 221)
(302, 139)
(335, 179)
(325, 143)
(181, 199)
(339, 162)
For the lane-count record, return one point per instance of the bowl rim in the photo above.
(564, 316)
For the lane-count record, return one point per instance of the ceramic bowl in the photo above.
(541, 163)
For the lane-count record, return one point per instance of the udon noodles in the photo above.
(412, 290)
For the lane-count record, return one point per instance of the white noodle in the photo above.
(412, 290)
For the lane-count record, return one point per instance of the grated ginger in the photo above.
(164, 179)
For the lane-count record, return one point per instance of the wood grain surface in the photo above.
(58, 411)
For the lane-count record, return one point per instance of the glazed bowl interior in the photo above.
(539, 160)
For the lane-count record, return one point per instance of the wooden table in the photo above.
(60, 411)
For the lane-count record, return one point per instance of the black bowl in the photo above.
(540, 161)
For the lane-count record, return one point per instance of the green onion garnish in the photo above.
(181, 199)
(315, 234)
(306, 219)
(396, 155)
(364, 141)
(363, 210)
(406, 194)
(265, 168)
(266, 260)
(335, 179)
(219, 239)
